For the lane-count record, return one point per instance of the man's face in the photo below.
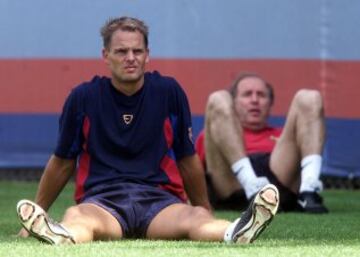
(126, 57)
(252, 103)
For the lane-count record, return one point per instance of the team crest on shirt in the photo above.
(128, 118)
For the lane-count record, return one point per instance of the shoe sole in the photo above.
(264, 207)
(35, 221)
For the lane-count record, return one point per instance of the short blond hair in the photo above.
(125, 24)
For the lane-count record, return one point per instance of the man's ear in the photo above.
(148, 56)
(105, 54)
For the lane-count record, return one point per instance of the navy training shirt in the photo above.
(119, 138)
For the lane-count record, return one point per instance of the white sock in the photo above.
(243, 171)
(310, 173)
(246, 176)
(229, 231)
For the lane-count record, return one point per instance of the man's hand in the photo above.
(193, 175)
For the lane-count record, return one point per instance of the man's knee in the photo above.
(79, 213)
(196, 217)
(220, 103)
(73, 212)
(82, 217)
(309, 101)
(196, 214)
(200, 213)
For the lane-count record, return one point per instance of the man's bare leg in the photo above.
(303, 135)
(89, 222)
(81, 223)
(197, 223)
(225, 152)
(301, 144)
(223, 143)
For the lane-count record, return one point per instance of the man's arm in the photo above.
(193, 176)
(56, 174)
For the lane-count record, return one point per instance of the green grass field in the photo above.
(290, 234)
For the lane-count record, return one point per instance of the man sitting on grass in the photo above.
(129, 138)
(243, 153)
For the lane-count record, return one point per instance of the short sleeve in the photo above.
(181, 116)
(70, 138)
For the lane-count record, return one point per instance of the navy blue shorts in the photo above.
(133, 205)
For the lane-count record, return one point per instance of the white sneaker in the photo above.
(254, 220)
(36, 221)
